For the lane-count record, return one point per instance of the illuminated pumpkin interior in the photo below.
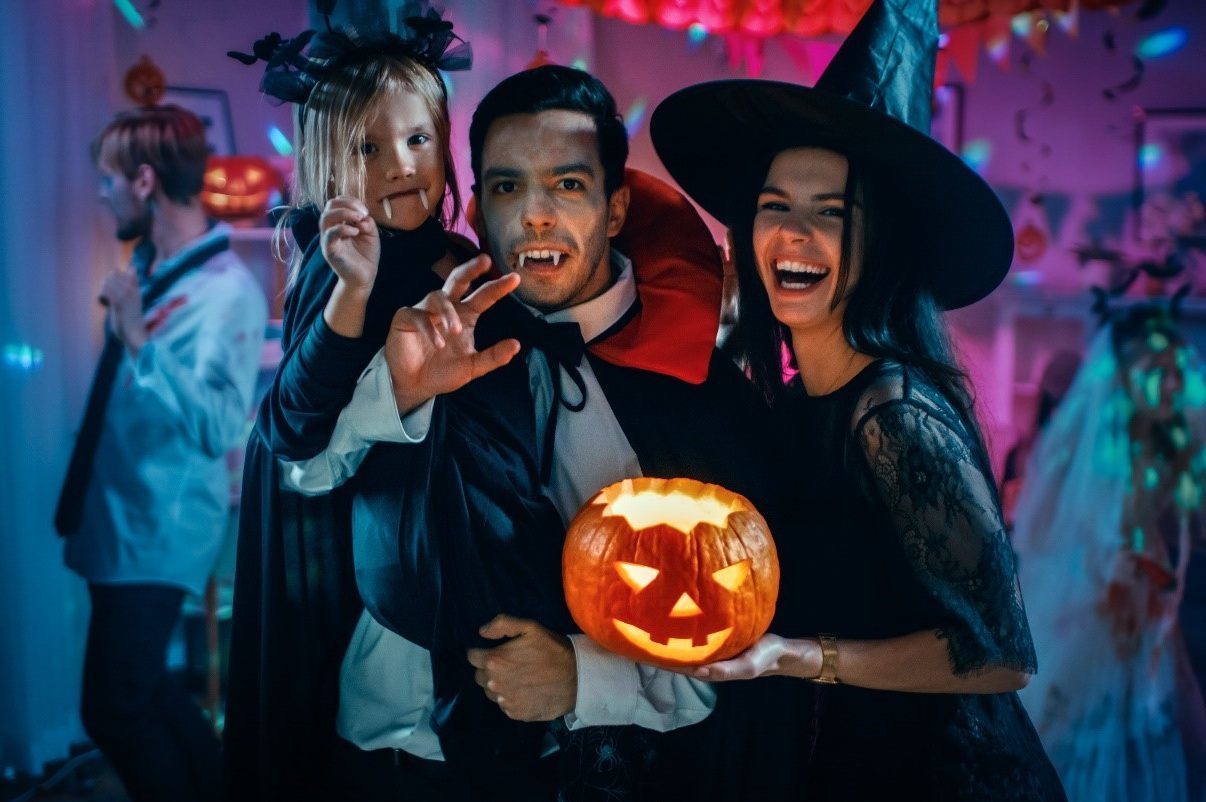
(732, 577)
(685, 607)
(637, 576)
(675, 509)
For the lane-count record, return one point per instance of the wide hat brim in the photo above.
(718, 139)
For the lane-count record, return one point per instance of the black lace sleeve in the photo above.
(945, 512)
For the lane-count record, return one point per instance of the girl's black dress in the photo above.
(894, 526)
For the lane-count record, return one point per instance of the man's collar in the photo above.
(213, 232)
(601, 313)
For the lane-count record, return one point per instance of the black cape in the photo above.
(295, 603)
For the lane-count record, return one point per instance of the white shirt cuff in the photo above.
(608, 686)
(372, 414)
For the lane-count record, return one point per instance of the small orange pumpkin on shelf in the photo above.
(671, 572)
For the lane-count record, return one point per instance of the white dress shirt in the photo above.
(155, 509)
(591, 451)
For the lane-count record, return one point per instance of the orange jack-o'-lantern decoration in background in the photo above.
(672, 572)
(145, 83)
(238, 186)
(1031, 243)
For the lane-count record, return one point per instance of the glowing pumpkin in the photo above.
(238, 186)
(145, 83)
(672, 572)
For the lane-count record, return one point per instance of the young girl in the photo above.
(898, 593)
(375, 188)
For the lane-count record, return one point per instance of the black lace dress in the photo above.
(898, 529)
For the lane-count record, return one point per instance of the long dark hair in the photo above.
(890, 313)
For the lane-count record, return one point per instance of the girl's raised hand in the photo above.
(350, 242)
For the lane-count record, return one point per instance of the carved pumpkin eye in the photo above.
(638, 577)
(732, 577)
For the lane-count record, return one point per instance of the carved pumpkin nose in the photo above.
(685, 607)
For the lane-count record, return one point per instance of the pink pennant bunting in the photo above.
(964, 49)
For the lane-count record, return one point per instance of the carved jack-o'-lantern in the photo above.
(238, 186)
(145, 83)
(672, 572)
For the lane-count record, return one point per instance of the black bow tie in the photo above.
(563, 349)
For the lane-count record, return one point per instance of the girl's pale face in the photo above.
(798, 237)
(403, 162)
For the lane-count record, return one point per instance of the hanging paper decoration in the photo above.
(1020, 117)
(809, 18)
(1069, 21)
(1150, 9)
(972, 25)
(963, 46)
(1130, 84)
(1032, 236)
(542, 42)
(747, 50)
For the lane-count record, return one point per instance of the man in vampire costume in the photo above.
(615, 377)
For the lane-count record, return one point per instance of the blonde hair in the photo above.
(333, 119)
(168, 138)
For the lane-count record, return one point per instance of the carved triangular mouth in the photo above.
(679, 650)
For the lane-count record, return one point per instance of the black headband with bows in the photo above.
(297, 65)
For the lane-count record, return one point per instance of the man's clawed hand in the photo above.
(430, 348)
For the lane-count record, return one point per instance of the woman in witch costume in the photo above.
(852, 230)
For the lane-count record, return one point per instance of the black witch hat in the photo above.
(873, 104)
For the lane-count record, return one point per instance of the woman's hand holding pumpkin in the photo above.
(770, 656)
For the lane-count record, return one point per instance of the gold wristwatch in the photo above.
(829, 654)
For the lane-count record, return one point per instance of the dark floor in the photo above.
(85, 777)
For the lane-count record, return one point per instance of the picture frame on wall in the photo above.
(1170, 177)
(213, 107)
(946, 121)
